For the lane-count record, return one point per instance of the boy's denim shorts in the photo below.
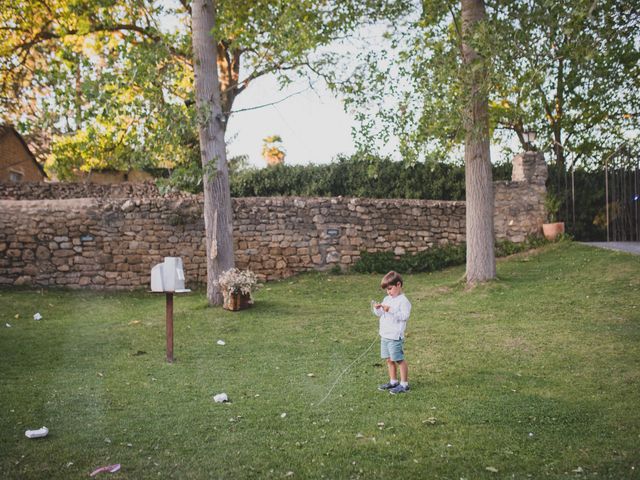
(392, 349)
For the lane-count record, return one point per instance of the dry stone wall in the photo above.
(65, 190)
(112, 242)
(280, 236)
(97, 243)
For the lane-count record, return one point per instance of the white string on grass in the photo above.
(346, 369)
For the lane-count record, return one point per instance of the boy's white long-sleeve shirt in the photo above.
(394, 322)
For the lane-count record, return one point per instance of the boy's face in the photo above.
(394, 290)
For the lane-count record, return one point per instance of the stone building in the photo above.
(17, 163)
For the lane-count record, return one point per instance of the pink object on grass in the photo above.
(109, 468)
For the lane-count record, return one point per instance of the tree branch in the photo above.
(241, 85)
(458, 30)
(186, 4)
(148, 32)
(271, 103)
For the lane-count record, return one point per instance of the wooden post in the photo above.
(170, 327)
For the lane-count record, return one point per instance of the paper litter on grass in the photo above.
(37, 316)
(221, 398)
(39, 433)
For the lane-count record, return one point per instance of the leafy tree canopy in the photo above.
(96, 82)
(569, 69)
(106, 83)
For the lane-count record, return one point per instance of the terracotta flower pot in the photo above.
(553, 230)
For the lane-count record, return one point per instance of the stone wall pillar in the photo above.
(529, 167)
(519, 210)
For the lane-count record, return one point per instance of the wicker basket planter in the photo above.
(236, 301)
(237, 286)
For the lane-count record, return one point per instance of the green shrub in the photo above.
(504, 248)
(436, 258)
(380, 262)
(360, 175)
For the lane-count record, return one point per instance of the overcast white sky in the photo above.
(311, 121)
(313, 124)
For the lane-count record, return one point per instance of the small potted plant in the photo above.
(237, 287)
(552, 229)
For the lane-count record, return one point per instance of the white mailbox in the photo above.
(168, 276)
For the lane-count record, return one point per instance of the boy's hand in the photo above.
(383, 307)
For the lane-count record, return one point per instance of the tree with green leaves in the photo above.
(437, 67)
(110, 83)
(274, 37)
(481, 262)
(568, 69)
(571, 71)
(218, 216)
(96, 84)
(106, 85)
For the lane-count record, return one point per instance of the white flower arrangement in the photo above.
(235, 281)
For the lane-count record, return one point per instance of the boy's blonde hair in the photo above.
(391, 278)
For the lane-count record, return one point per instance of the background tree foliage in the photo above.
(105, 83)
(101, 83)
(443, 46)
(571, 71)
(96, 83)
(111, 88)
(568, 69)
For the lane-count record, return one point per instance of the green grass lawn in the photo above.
(536, 375)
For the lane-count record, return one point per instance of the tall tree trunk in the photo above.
(218, 216)
(228, 75)
(481, 262)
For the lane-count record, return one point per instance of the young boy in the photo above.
(393, 312)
